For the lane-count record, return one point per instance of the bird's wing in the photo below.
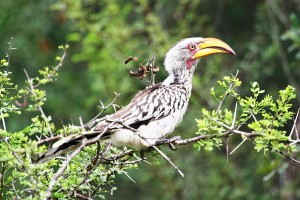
(151, 103)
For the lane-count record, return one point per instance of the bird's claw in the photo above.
(173, 146)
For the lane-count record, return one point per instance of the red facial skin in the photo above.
(193, 49)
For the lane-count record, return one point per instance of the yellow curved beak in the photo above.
(212, 46)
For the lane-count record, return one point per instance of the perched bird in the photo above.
(155, 111)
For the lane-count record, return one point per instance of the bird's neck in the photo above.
(180, 76)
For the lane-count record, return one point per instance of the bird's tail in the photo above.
(66, 145)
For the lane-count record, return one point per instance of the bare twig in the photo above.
(291, 158)
(252, 115)
(234, 117)
(81, 196)
(15, 191)
(238, 146)
(168, 160)
(3, 120)
(31, 89)
(103, 108)
(294, 125)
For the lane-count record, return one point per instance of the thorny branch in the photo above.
(100, 157)
(31, 89)
(95, 120)
(33, 86)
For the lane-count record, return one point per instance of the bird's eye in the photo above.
(192, 47)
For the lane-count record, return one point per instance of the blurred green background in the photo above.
(102, 34)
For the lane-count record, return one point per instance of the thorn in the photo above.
(168, 160)
(237, 146)
(234, 116)
(227, 149)
(126, 173)
(294, 125)
(102, 105)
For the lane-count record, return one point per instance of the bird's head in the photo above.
(184, 56)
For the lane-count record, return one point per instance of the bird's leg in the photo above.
(142, 154)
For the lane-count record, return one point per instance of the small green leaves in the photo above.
(20, 149)
(7, 91)
(3, 63)
(259, 116)
(229, 84)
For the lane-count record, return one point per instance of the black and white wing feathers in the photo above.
(152, 103)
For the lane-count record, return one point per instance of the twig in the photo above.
(62, 169)
(152, 75)
(234, 117)
(12, 151)
(10, 48)
(15, 191)
(56, 68)
(194, 139)
(226, 93)
(90, 168)
(294, 124)
(94, 160)
(48, 140)
(168, 160)
(252, 115)
(3, 168)
(84, 143)
(238, 146)
(125, 153)
(3, 121)
(293, 159)
(31, 89)
(227, 149)
(126, 173)
(103, 108)
(81, 196)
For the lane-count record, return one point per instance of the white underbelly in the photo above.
(147, 135)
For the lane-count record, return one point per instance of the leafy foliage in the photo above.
(92, 172)
(21, 177)
(262, 118)
(102, 33)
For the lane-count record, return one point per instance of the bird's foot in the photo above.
(173, 146)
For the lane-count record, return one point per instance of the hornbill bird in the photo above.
(155, 111)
